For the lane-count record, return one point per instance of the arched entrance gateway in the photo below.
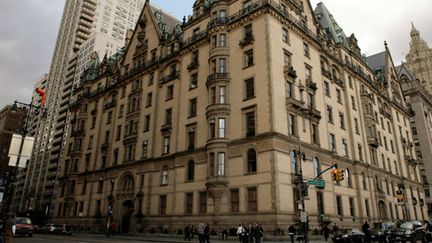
(126, 201)
(126, 212)
(382, 210)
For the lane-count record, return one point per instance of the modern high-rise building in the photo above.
(224, 116)
(419, 59)
(87, 26)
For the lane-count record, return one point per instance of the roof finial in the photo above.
(385, 44)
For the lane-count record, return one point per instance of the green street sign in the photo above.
(317, 182)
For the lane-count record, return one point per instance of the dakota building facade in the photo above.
(214, 118)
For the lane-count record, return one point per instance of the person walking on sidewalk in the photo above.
(201, 228)
(187, 233)
(292, 231)
(241, 232)
(326, 231)
(207, 233)
(258, 232)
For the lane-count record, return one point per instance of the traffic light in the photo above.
(334, 173)
(341, 174)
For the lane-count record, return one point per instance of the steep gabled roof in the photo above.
(329, 24)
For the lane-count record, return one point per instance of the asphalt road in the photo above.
(39, 238)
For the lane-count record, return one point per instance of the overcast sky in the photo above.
(28, 30)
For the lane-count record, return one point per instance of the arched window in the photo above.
(164, 179)
(293, 157)
(251, 161)
(128, 183)
(348, 177)
(191, 170)
(316, 166)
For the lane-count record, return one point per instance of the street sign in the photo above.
(317, 182)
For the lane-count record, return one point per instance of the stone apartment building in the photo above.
(215, 117)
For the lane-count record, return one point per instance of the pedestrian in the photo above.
(240, 232)
(9, 225)
(366, 231)
(326, 233)
(250, 232)
(335, 229)
(114, 228)
(201, 227)
(207, 233)
(193, 232)
(224, 234)
(292, 232)
(2, 231)
(187, 233)
(258, 232)
(108, 228)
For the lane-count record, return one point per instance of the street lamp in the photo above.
(31, 111)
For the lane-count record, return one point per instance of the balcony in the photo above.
(410, 161)
(312, 113)
(311, 84)
(326, 73)
(294, 103)
(110, 105)
(169, 77)
(290, 71)
(247, 40)
(217, 77)
(217, 22)
(372, 141)
(193, 65)
(104, 146)
(166, 128)
(213, 110)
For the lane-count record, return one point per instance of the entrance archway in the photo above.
(127, 210)
(382, 210)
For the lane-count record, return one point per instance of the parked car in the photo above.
(353, 236)
(24, 227)
(408, 231)
(50, 228)
(66, 229)
(380, 231)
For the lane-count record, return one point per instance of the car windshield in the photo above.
(57, 225)
(23, 221)
(407, 225)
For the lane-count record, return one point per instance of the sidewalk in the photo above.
(179, 238)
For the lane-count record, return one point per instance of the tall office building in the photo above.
(224, 116)
(87, 26)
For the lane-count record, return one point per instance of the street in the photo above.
(99, 238)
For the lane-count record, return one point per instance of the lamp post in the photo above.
(302, 193)
(31, 110)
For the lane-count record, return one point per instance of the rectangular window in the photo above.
(367, 208)
(90, 143)
(149, 99)
(287, 59)
(191, 137)
(345, 147)
(248, 31)
(194, 81)
(290, 90)
(353, 103)
(338, 96)
(203, 202)
(342, 120)
(252, 199)
(166, 145)
(222, 40)
(285, 35)
(249, 58)
(221, 124)
(221, 164)
(360, 152)
(150, 80)
(147, 123)
(315, 137)
(339, 205)
(109, 117)
(213, 41)
(326, 88)
(222, 65)
(118, 134)
(249, 86)
(168, 116)
(306, 50)
(192, 107)
(292, 124)
(144, 149)
(356, 126)
(235, 200)
(352, 207)
(332, 142)
(189, 203)
(121, 111)
(170, 92)
(162, 204)
(308, 73)
(250, 124)
(222, 98)
(329, 114)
